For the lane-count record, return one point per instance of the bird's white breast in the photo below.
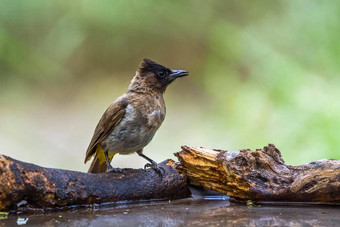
(155, 118)
(132, 134)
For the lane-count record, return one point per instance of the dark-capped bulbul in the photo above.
(131, 121)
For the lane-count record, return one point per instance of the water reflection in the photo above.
(216, 197)
(187, 212)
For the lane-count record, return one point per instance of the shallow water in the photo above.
(198, 211)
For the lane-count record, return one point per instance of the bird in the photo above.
(131, 121)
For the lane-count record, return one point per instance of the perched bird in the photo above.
(130, 122)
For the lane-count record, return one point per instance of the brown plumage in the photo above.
(131, 121)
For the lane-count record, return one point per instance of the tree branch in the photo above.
(261, 175)
(37, 187)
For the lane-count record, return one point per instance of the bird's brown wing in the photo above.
(112, 116)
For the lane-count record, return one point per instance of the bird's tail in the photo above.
(98, 164)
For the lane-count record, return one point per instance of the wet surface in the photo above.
(201, 211)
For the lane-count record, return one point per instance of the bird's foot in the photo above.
(116, 170)
(156, 167)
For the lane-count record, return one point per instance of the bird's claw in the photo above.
(156, 167)
(116, 170)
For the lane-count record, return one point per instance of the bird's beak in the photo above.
(178, 73)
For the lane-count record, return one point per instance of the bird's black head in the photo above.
(153, 75)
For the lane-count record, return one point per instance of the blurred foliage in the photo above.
(261, 71)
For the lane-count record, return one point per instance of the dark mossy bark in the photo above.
(24, 185)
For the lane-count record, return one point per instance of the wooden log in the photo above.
(28, 186)
(261, 175)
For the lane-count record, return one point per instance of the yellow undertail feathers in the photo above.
(98, 164)
(101, 156)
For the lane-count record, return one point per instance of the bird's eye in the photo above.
(161, 74)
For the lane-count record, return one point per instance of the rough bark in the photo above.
(28, 186)
(261, 175)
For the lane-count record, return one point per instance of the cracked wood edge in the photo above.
(261, 175)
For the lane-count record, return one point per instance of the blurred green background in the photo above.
(261, 72)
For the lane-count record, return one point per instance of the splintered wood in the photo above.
(261, 175)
